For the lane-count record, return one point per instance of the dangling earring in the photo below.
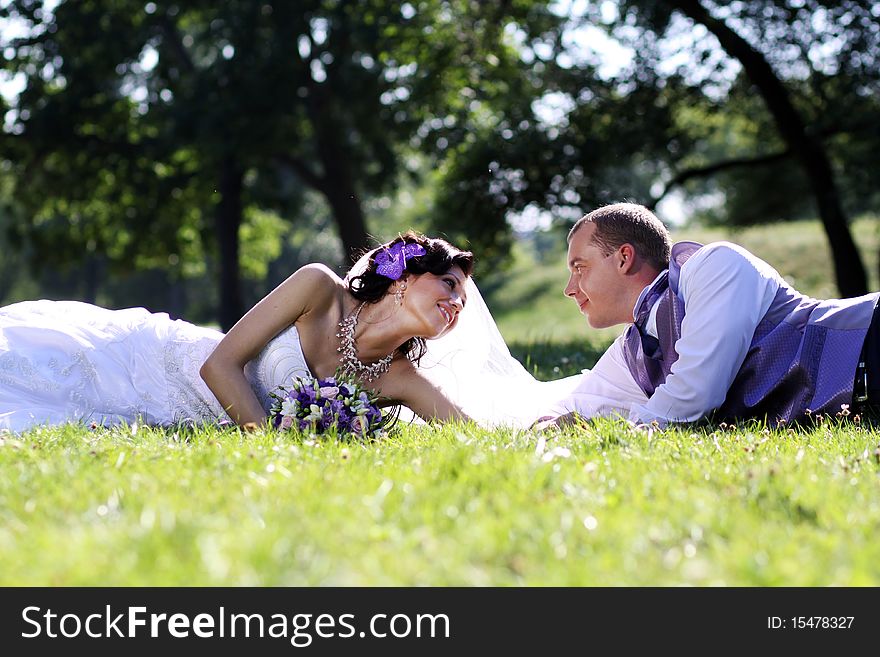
(398, 296)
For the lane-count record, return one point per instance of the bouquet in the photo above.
(319, 405)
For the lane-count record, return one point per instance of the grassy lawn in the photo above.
(458, 505)
(454, 505)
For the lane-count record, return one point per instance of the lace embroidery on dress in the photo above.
(18, 371)
(189, 399)
(70, 381)
(277, 364)
(74, 382)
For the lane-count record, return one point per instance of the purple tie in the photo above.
(638, 339)
(650, 344)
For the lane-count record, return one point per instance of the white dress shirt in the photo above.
(726, 292)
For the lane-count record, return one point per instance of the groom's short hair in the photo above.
(628, 223)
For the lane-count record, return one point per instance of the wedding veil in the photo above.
(475, 369)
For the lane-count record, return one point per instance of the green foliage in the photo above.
(261, 236)
(833, 90)
(598, 505)
(137, 121)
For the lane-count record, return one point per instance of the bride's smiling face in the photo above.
(435, 301)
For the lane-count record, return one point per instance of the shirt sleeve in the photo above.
(606, 390)
(726, 292)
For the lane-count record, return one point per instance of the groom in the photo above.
(712, 329)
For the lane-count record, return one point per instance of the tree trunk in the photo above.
(92, 277)
(176, 299)
(337, 186)
(349, 219)
(229, 214)
(848, 267)
(338, 181)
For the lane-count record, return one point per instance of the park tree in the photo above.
(586, 138)
(131, 140)
(135, 113)
(813, 65)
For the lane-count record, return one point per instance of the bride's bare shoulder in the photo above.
(319, 274)
(318, 282)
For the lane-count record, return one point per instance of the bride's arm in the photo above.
(406, 385)
(310, 289)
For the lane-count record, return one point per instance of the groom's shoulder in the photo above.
(720, 253)
(734, 260)
(725, 246)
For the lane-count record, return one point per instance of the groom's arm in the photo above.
(607, 390)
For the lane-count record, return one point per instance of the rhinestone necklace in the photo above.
(351, 364)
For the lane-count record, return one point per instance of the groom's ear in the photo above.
(626, 258)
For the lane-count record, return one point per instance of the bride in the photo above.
(64, 361)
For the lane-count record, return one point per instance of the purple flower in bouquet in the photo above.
(320, 405)
(358, 424)
(329, 392)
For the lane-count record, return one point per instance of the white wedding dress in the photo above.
(66, 361)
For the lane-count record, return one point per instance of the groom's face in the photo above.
(596, 282)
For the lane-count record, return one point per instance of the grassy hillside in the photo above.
(530, 308)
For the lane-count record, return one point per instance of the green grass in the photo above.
(453, 505)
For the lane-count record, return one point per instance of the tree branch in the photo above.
(702, 172)
(169, 29)
(308, 176)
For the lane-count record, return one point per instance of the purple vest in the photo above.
(803, 354)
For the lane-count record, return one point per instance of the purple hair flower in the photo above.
(391, 262)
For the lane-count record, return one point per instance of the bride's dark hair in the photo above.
(440, 256)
